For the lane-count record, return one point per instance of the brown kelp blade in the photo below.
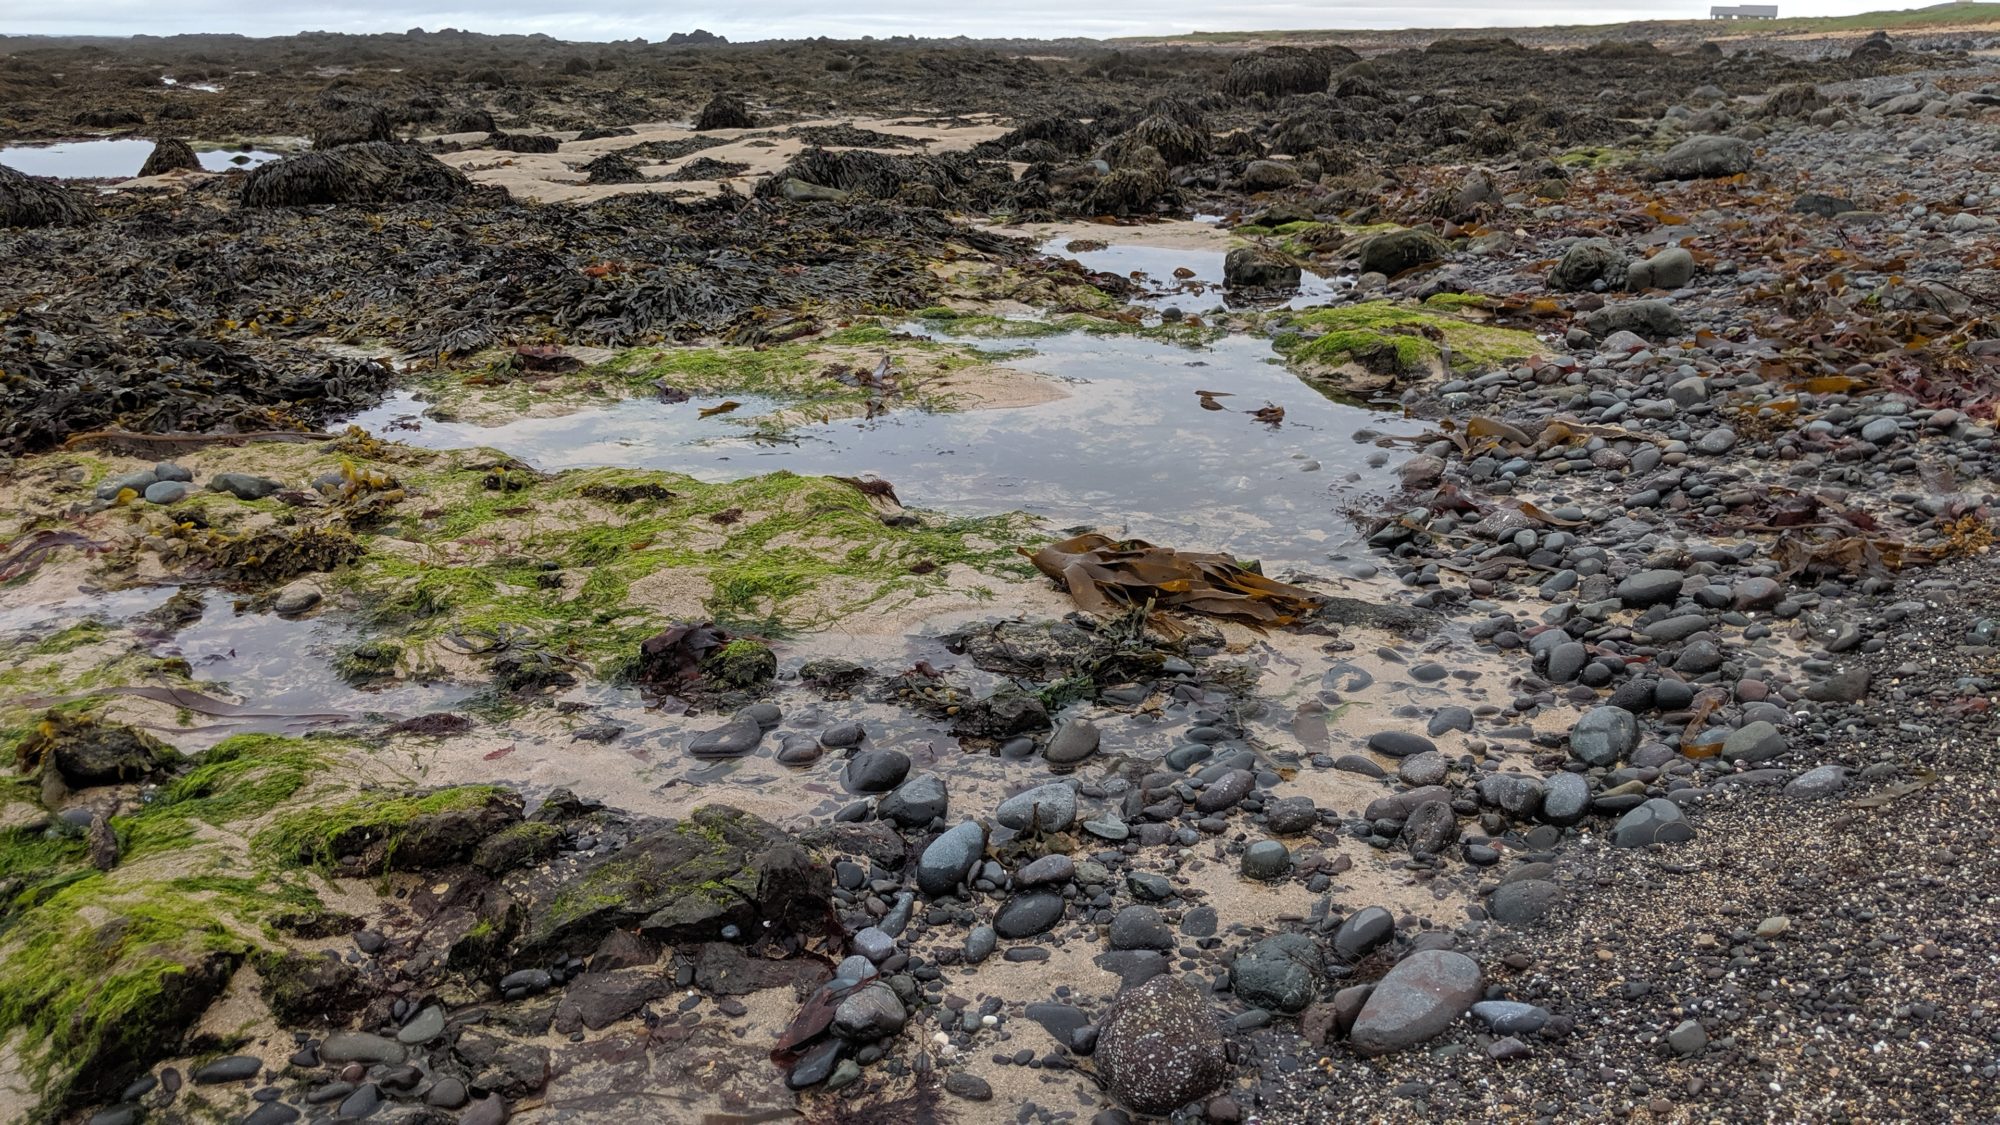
(1107, 577)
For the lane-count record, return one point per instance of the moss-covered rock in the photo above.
(742, 663)
(1399, 341)
(516, 846)
(721, 869)
(377, 832)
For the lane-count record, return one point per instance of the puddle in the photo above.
(112, 159)
(282, 666)
(204, 87)
(1131, 450)
(1154, 267)
(109, 607)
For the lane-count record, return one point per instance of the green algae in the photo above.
(778, 550)
(1401, 338)
(311, 837)
(104, 971)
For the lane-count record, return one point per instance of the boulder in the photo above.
(1158, 1048)
(1398, 251)
(685, 882)
(1253, 267)
(1587, 262)
(1706, 157)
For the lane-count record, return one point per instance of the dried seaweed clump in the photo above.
(879, 175)
(376, 172)
(1043, 139)
(1177, 142)
(352, 123)
(1278, 71)
(1109, 577)
(523, 142)
(170, 154)
(279, 553)
(1800, 99)
(612, 168)
(724, 111)
(32, 201)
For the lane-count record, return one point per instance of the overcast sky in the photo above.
(766, 19)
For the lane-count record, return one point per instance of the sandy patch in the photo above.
(554, 177)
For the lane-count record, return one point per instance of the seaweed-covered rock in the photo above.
(720, 870)
(724, 111)
(612, 168)
(741, 663)
(353, 123)
(1587, 262)
(372, 173)
(516, 845)
(1277, 71)
(523, 142)
(85, 750)
(170, 154)
(378, 832)
(35, 201)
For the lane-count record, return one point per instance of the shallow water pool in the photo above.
(117, 158)
(1131, 449)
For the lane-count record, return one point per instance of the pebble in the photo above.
(1051, 806)
(1266, 860)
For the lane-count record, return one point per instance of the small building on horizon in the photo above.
(1743, 12)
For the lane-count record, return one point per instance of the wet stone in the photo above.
(1025, 915)
(1363, 932)
(971, 1087)
(1225, 791)
(873, 1012)
(1423, 769)
(1074, 741)
(1289, 816)
(1048, 870)
(235, 1068)
(840, 736)
(1657, 821)
(730, 740)
(1604, 735)
(1266, 861)
(1448, 719)
(877, 771)
(1052, 807)
(1523, 902)
(1140, 927)
(916, 802)
(1511, 1017)
(1399, 744)
(244, 486)
(950, 858)
(1280, 973)
(428, 1025)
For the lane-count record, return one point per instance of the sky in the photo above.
(775, 19)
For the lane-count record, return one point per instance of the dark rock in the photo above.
(1158, 1049)
(950, 858)
(719, 868)
(1524, 901)
(598, 1000)
(1363, 931)
(1419, 998)
(1280, 973)
(1028, 914)
(877, 771)
(1253, 267)
(1052, 807)
(916, 802)
(1074, 741)
(1400, 744)
(1657, 821)
(234, 1068)
(1140, 927)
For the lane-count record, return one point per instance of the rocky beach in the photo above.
(1294, 578)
